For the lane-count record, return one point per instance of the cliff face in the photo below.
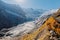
(52, 23)
(57, 23)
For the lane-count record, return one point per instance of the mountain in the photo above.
(33, 13)
(41, 19)
(11, 15)
(28, 26)
(50, 27)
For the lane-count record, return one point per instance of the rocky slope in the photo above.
(15, 34)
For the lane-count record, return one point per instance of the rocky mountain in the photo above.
(15, 21)
(49, 30)
(28, 27)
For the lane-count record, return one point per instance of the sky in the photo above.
(37, 4)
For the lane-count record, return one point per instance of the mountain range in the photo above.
(12, 14)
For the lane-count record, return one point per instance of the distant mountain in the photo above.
(11, 15)
(33, 13)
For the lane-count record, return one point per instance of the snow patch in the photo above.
(22, 28)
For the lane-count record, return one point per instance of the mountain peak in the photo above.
(59, 10)
(56, 15)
